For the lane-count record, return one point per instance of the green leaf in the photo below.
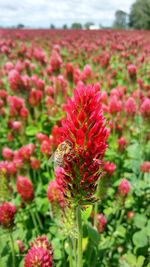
(140, 220)
(131, 259)
(57, 254)
(148, 228)
(134, 151)
(32, 130)
(86, 213)
(121, 231)
(93, 234)
(140, 261)
(140, 239)
(4, 261)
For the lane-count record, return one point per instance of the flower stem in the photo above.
(95, 214)
(12, 249)
(79, 226)
(70, 254)
(38, 218)
(33, 219)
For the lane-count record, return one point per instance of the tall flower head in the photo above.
(132, 71)
(25, 188)
(7, 214)
(122, 143)
(124, 187)
(145, 109)
(40, 254)
(101, 222)
(145, 167)
(84, 127)
(109, 168)
(7, 153)
(54, 194)
(15, 80)
(130, 106)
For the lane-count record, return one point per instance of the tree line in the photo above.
(138, 18)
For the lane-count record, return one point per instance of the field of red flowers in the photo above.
(74, 148)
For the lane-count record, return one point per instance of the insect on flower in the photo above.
(63, 149)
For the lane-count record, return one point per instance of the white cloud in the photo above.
(44, 12)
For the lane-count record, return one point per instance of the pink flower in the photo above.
(45, 147)
(35, 163)
(55, 61)
(54, 193)
(145, 167)
(130, 214)
(87, 73)
(20, 245)
(130, 106)
(7, 214)
(69, 71)
(40, 253)
(132, 71)
(35, 97)
(24, 112)
(15, 80)
(109, 168)
(25, 188)
(7, 153)
(101, 222)
(124, 187)
(26, 151)
(42, 137)
(145, 108)
(16, 125)
(115, 105)
(122, 143)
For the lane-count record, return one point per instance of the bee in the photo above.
(58, 156)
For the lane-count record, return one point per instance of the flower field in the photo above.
(74, 148)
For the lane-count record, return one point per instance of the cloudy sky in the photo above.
(35, 13)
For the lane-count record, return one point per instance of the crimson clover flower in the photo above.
(7, 214)
(40, 253)
(84, 127)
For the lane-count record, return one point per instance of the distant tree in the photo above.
(52, 26)
(121, 20)
(139, 17)
(65, 27)
(20, 26)
(76, 25)
(88, 24)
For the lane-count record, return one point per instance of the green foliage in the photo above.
(76, 26)
(121, 18)
(139, 17)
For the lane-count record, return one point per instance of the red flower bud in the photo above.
(7, 214)
(25, 188)
(124, 187)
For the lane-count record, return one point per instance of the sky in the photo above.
(42, 13)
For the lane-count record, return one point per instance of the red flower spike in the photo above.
(101, 222)
(85, 128)
(124, 187)
(25, 189)
(7, 214)
(40, 253)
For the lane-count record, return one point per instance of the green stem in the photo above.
(38, 218)
(70, 254)
(12, 249)
(75, 249)
(33, 219)
(79, 227)
(34, 177)
(95, 214)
